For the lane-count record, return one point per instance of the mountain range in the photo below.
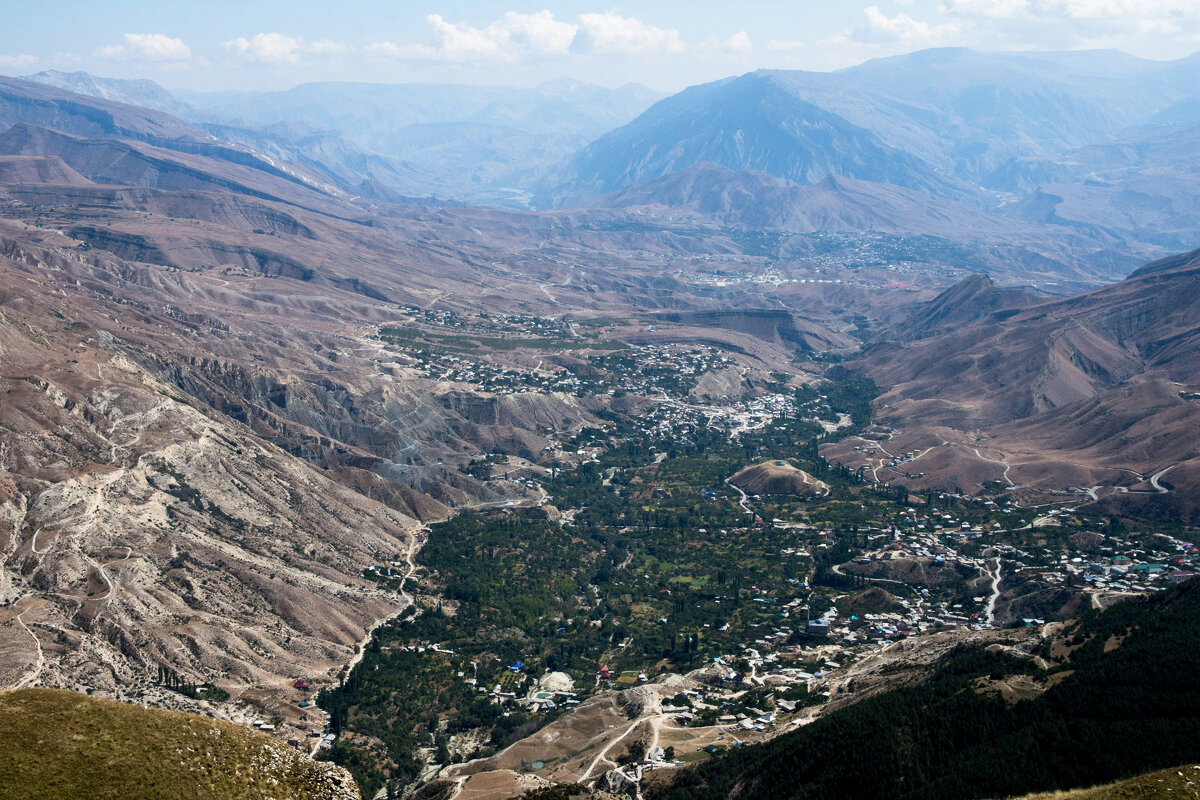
(1096, 143)
(474, 142)
(1051, 397)
(941, 120)
(250, 344)
(1095, 146)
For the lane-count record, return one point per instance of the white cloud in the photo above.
(878, 28)
(280, 49)
(786, 45)
(739, 44)
(23, 61)
(1073, 23)
(326, 47)
(734, 49)
(147, 47)
(987, 9)
(1115, 10)
(385, 50)
(875, 36)
(517, 37)
(1117, 16)
(269, 48)
(513, 37)
(612, 34)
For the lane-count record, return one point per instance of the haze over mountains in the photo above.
(472, 142)
(993, 131)
(253, 344)
(938, 119)
(1098, 146)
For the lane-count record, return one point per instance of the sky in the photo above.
(223, 45)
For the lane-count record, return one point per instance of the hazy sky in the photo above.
(667, 44)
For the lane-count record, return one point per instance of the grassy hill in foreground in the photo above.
(61, 744)
(1168, 783)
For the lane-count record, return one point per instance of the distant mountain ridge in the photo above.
(753, 199)
(483, 142)
(949, 122)
(748, 123)
(67, 111)
(142, 92)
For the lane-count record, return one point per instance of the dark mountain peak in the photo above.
(1188, 259)
(752, 122)
(969, 301)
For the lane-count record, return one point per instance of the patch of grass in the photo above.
(62, 744)
(1181, 782)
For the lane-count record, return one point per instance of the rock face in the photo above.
(778, 477)
(136, 531)
(1009, 366)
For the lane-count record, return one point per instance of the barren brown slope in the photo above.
(1061, 255)
(1011, 365)
(139, 528)
(777, 477)
(970, 300)
(1093, 390)
(186, 460)
(135, 163)
(28, 104)
(38, 170)
(48, 106)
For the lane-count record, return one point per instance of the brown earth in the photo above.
(776, 477)
(1092, 391)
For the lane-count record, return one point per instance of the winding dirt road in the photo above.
(602, 755)
(744, 498)
(990, 610)
(1154, 479)
(41, 657)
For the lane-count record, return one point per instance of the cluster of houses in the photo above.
(1136, 569)
(483, 375)
(491, 324)
(677, 419)
(667, 369)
